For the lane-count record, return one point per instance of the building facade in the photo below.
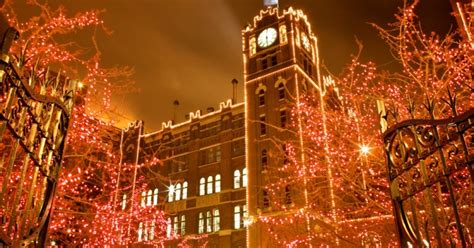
(213, 168)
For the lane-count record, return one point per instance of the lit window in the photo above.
(236, 179)
(244, 177)
(281, 91)
(263, 125)
(283, 37)
(202, 186)
(171, 193)
(177, 194)
(185, 190)
(145, 232)
(175, 225)
(151, 233)
(246, 215)
(155, 197)
(261, 97)
(124, 201)
(140, 231)
(209, 185)
(183, 225)
(208, 221)
(143, 200)
(264, 159)
(149, 198)
(201, 223)
(218, 183)
(283, 118)
(237, 217)
(168, 228)
(252, 46)
(216, 220)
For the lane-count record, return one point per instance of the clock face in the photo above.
(305, 41)
(267, 37)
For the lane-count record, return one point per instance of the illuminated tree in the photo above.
(333, 189)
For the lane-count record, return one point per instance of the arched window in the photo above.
(145, 232)
(209, 185)
(281, 91)
(264, 160)
(175, 225)
(183, 225)
(143, 200)
(202, 186)
(140, 231)
(151, 233)
(171, 193)
(217, 183)
(124, 201)
(168, 228)
(201, 223)
(185, 190)
(237, 217)
(261, 97)
(217, 220)
(177, 195)
(149, 198)
(236, 179)
(155, 197)
(208, 221)
(244, 177)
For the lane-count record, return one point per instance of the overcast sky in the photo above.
(190, 50)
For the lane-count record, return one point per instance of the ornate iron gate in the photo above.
(35, 109)
(430, 170)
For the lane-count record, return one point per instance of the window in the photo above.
(264, 159)
(266, 201)
(185, 190)
(209, 185)
(183, 225)
(216, 220)
(124, 201)
(281, 91)
(155, 197)
(283, 118)
(245, 212)
(237, 217)
(244, 177)
(168, 228)
(149, 197)
(218, 154)
(263, 125)
(287, 195)
(151, 233)
(145, 232)
(202, 186)
(283, 37)
(208, 221)
(274, 60)
(143, 200)
(178, 192)
(264, 64)
(175, 225)
(252, 46)
(238, 147)
(261, 97)
(218, 183)
(236, 179)
(171, 193)
(140, 231)
(201, 223)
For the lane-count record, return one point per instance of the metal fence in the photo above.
(35, 108)
(430, 170)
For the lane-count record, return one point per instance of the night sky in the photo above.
(190, 50)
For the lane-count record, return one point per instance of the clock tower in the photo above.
(281, 63)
